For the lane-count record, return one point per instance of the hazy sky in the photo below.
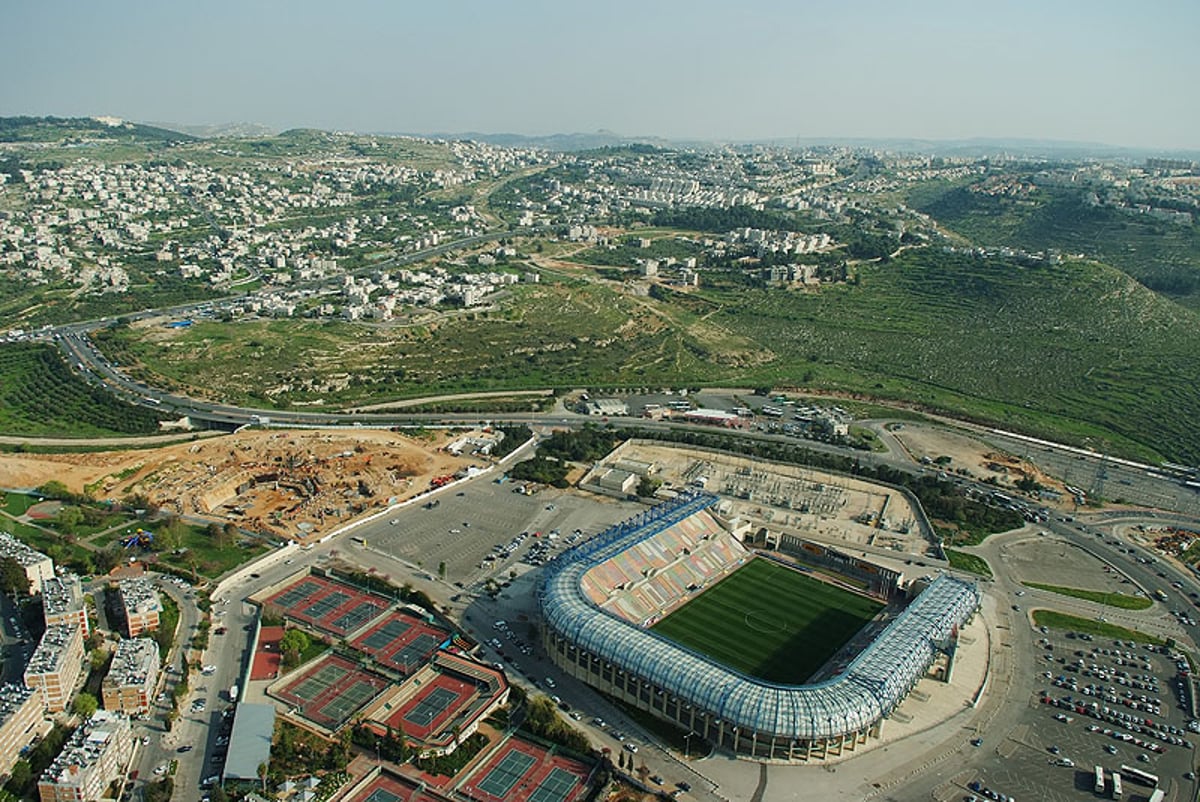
(1123, 73)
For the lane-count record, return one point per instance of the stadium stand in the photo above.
(594, 597)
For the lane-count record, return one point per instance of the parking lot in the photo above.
(468, 524)
(1097, 702)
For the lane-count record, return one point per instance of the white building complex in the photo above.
(38, 567)
(22, 721)
(62, 602)
(55, 665)
(140, 605)
(96, 754)
(594, 601)
(129, 684)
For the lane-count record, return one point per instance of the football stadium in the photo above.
(667, 611)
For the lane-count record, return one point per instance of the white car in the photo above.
(161, 769)
(208, 669)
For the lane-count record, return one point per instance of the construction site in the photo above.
(286, 483)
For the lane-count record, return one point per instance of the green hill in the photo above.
(54, 129)
(1078, 351)
(1163, 256)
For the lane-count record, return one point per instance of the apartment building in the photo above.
(22, 721)
(55, 665)
(62, 602)
(140, 605)
(97, 753)
(129, 684)
(38, 567)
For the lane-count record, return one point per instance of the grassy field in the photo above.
(1088, 626)
(1119, 600)
(968, 562)
(769, 621)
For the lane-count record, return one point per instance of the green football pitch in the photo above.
(770, 622)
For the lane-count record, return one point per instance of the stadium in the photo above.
(602, 602)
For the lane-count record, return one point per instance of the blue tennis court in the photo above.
(505, 774)
(557, 786)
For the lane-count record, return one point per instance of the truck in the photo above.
(233, 692)
(1160, 595)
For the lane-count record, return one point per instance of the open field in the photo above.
(770, 622)
(1088, 626)
(1121, 600)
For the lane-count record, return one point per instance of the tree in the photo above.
(13, 579)
(262, 775)
(292, 646)
(85, 704)
(68, 519)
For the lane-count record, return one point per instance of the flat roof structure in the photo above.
(249, 742)
(62, 601)
(38, 567)
(139, 596)
(133, 661)
(50, 651)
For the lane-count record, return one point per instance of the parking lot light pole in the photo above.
(687, 745)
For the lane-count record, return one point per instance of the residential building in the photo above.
(129, 684)
(140, 605)
(38, 567)
(22, 721)
(62, 602)
(97, 753)
(55, 665)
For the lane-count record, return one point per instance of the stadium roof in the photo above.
(250, 741)
(868, 689)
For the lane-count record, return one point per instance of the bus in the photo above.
(1158, 795)
(1099, 779)
(1116, 785)
(1139, 776)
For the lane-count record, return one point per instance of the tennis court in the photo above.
(557, 786)
(331, 691)
(382, 795)
(327, 604)
(505, 774)
(359, 615)
(296, 594)
(349, 700)
(391, 630)
(313, 686)
(415, 652)
(432, 706)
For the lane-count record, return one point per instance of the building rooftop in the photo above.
(86, 745)
(133, 661)
(47, 657)
(62, 594)
(11, 547)
(139, 596)
(12, 696)
(250, 741)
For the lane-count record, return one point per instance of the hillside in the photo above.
(1077, 350)
(54, 129)
(1163, 256)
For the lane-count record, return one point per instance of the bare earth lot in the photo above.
(296, 484)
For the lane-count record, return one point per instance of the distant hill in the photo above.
(220, 130)
(54, 129)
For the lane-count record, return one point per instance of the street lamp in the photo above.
(687, 745)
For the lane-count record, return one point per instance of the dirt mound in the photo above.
(290, 483)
